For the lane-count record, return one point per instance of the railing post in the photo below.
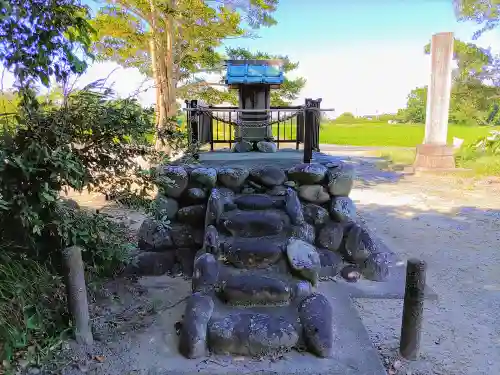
(299, 133)
(188, 120)
(308, 126)
(413, 309)
(194, 122)
(317, 123)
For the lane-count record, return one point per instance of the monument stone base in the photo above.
(434, 157)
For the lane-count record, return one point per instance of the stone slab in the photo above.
(153, 351)
(393, 288)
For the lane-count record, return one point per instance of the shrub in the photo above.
(91, 141)
(32, 304)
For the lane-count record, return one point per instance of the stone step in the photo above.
(259, 202)
(260, 252)
(253, 223)
(251, 334)
(253, 289)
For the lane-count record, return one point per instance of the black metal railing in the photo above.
(291, 124)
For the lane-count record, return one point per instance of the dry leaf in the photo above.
(99, 358)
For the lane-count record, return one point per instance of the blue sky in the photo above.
(362, 56)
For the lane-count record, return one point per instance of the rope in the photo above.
(254, 124)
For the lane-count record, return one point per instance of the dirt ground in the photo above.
(454, 225)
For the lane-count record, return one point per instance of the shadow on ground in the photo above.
(461, 247)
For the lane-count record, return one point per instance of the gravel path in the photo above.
(454, 225)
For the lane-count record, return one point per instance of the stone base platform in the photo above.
(431, 157)
(154, 351)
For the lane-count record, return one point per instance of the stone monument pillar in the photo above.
(434, 153)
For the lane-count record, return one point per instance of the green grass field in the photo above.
(383, 134)
(370, 133)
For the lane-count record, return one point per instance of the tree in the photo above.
(416, 105)
(41, 38)
(283, 96)
(485, 13)
(474, 63)
(173, 41)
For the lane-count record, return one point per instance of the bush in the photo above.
(32, 306)
(91, 141)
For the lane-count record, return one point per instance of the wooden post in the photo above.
(317, 123)
(434, 153)
(300, 129)
(77, 294)
(308, 125)
(413, 309)
(194, 122)
(188, 120)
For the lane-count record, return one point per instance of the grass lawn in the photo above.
(383, 134)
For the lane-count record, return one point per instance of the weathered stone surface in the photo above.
(305, 232)
(255, 223)
(341, 180)
(204, 176)
(265, 146)
(314, 194)
(192, 215)
(356, 248)
(255, 289)
(166, 206)
(350, 273)
(268, 176)
(151, 263)
(248, 190)
(376, 267)
(316, 316)
(193, 337)
(185, 259)
(342, 209)
(291, 184)
(315, 215)
(226, 194)
(232, 178)
(330, 236)
(254, 202)
(186, 235)
(195, 195)
(331, 263)
(303, 259)
(211, 242)
(255, 185)
(242, 146)
(251, 334)
(172, 179)
(206, 272)
(215, 208)
(154, 236)
(252, 253)
(277, 191)
(293, 207)
(302, 289)
(307, 174)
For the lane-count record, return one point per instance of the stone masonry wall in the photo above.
(256, 243)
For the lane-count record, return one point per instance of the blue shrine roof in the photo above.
(254, 72)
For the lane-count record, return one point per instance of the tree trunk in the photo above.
(167, 84)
